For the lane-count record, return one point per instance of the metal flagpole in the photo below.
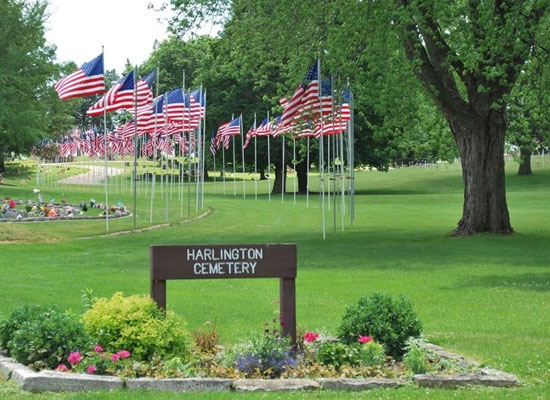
(343, 180)
(105, 147)
(242, 152)
(189, 158)
(352, 158)
(321, 153)
(234, 171)
(134, 174)
(223, 165)
(165, 157)
(255, 161)
(198, 150)
(182, 149)
(294, 166)
(283, 167)
(154, 139)
(307, 174)
(268, 162)
(203, 146)
(214, 172)
(333, 136)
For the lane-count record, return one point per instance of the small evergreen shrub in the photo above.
(42, 336)
(136, 323)
(389, 320)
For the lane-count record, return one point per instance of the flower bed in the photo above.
(30, 211)
(131, 339)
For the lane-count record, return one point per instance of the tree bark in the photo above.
(2, 164)
(278, 187)
(262, 174)
(525, 161)
(481, 147)
(301, 171)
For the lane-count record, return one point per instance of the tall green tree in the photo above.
(26, 72)
(468, 56)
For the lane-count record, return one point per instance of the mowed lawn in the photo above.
(486, 297)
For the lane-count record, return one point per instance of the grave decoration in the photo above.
(31, 211)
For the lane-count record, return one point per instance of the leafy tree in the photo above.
(26, 72)
(529, 121)
(468, 55)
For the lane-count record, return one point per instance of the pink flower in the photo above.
(91, 369)
(98, 349)
(365, 339)
(62, 368)
(74, 358)
(114, 357)
(311, 337)
(123, 354)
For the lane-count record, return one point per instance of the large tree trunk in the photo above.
(2, 164)
(481, 147)
(525, 161)
(278, 187)
(301, 171)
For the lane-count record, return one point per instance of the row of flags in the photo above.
(92, 143)
(311, 111)
(169, 113)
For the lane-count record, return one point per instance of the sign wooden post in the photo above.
(227, 262)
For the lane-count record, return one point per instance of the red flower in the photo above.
(365, 339)
(311, 337)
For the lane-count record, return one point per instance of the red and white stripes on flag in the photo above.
(85, 81)
(121, 96)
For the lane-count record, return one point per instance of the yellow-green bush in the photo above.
(135, 323)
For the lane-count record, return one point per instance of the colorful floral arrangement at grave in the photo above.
(17, 210)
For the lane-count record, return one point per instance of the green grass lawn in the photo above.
(486, 297)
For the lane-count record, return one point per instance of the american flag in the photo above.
(121, 95)
(213, 143)
(249, 135)
(198, 104)
(332, 126)
(264, 129)
(233, 128)
(319, 102)
(85, 81)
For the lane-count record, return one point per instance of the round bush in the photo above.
(390, 321)
(42, 336)
(135, 323)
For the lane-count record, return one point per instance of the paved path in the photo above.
(94, 176)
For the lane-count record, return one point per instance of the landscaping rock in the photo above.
(359, 384)
(270, 385)
(180, 385)
(62, 382)
(442, 381)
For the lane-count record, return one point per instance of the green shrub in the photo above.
(335, 354)
(136, 324)
(390, 321)
(42, 336)
(371, 353)
(416, 358)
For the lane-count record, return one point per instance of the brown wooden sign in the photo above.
(225, 262)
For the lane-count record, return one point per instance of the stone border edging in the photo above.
(149, 228)
(61, 381)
